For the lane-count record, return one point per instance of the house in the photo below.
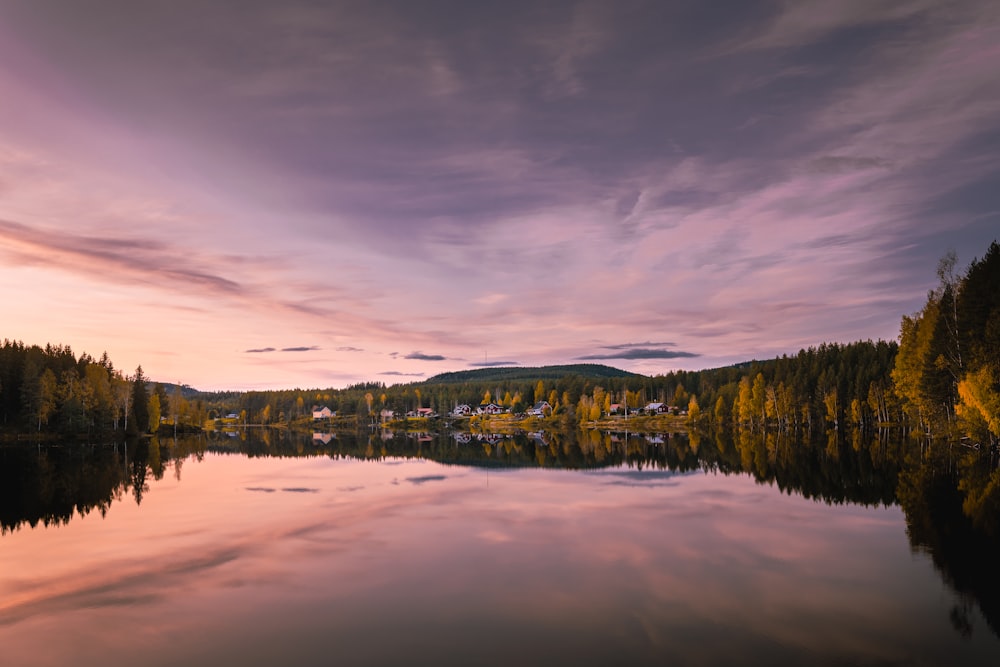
(656, 408)
(539, 409)
(322, 413)
(462, 410)
(426, 412)
(490, 409)
(387, 415)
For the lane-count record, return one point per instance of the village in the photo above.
(541, 409)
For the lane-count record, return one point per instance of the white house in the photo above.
(322, 413)
(539, 409)
(462, 410)
(490, 409)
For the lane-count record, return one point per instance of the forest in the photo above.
(51, 390)
(942, 379)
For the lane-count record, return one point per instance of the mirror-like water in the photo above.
(442, 550)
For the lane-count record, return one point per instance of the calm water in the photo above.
(434, 550)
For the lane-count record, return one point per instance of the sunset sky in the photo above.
(310, 194)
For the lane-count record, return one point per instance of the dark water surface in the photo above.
(437, 550)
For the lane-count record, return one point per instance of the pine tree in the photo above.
(140, 402)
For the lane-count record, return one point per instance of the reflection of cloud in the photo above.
(349, 489)
(643, 483)
(643, 478)
(424, 357)
(263, 489)
(134, 587)
(426, 478)
(495, 536)
(638, 353)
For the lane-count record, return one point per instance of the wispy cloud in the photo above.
(402, 374)
(487, 364)
(348, 348)
(302, 348)
(638, 353)
(146, 260)
(425, 357)
(628, 346)
(260, 350)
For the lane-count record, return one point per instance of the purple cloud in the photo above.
(638, 353)
(425, 357)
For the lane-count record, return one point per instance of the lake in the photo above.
(585, 549)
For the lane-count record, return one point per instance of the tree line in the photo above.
(941, 379)
(947, 373)
(50, 389)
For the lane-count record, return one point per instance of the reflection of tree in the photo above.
(137, 467)
(950, 500)
(49, 484)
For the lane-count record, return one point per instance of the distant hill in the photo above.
(169, 387)
(530, 373)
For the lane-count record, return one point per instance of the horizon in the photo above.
(150, 381)
(318, 196)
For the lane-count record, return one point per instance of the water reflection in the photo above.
(949, 497)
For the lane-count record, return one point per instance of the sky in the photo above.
(245, 194)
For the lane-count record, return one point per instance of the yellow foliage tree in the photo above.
(694, 411)
(979, 401)
(154, 413)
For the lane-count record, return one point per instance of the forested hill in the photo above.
(594, 371)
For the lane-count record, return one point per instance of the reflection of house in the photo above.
(322, 413)
(324, 438)
(462, 410)
(490, 409)
(539, 409)
(539, 438)
(462, 438)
